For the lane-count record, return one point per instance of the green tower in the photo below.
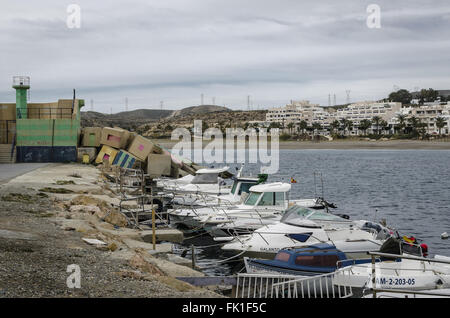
(21, 84)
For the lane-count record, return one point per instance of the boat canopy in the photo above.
(212, 170)
(271, 187)
(301, 216)
(320, 258)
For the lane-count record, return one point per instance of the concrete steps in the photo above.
(5, 154)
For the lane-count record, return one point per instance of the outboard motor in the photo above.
(326, 204)
(411, 246)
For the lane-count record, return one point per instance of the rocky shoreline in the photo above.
(42, 231)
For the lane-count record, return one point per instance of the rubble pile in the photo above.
(119, 147)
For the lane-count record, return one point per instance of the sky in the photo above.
(175, 50)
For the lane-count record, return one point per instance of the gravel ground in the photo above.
(35, 253)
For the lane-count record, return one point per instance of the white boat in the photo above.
(265, 202)
(241, 224)
(239, 189)
(189, 190)
(427, 293)
(206, 180)
(408, 272)
(170, 183)
(301, 226)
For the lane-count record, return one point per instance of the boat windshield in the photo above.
(267, 199)
(244, 187)
(317, 260)
(272, 198)
(205, 178)
(296, 214)
(252, 198)
(233, 189)
(283, 256)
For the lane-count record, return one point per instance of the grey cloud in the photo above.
(175, 50)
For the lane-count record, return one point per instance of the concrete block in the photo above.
(91, 137)
(141, 147)
(90, 151)
(169, 235)
(107, 153)
(159, 165)
(124, 159)
(179, 260)
(114, 137)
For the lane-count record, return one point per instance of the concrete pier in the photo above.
(168, 235)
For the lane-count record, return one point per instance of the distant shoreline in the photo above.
(347, 144)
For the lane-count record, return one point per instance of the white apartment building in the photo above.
(293, 112)
(367, 111)
(427, 114)
(311, 113)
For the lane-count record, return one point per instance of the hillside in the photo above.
(157, 123)
(197, 110)
(128, 120)
(220, 119)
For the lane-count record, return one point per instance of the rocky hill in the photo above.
(219, 119)
(128, 120)
(159, 124)
(198, 110)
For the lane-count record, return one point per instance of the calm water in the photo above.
(408, 188)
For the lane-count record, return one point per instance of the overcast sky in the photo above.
(175, 50)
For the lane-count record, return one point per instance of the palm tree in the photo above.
(414, 122)
(346, 124)
(376, 120)
(401, 122)
(440, 123)
(422, 129)
(349, 125)
(303, 125)
(334, 125)
(290, 126)
(274, 125)
(384, 125)
(316, 126)
(364, 125)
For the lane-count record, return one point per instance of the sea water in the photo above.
(408, 188)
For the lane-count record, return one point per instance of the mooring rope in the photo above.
(225, 260)
(212, 245)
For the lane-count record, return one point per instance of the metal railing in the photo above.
(136, 203)
(21, 81)
(290, 286)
